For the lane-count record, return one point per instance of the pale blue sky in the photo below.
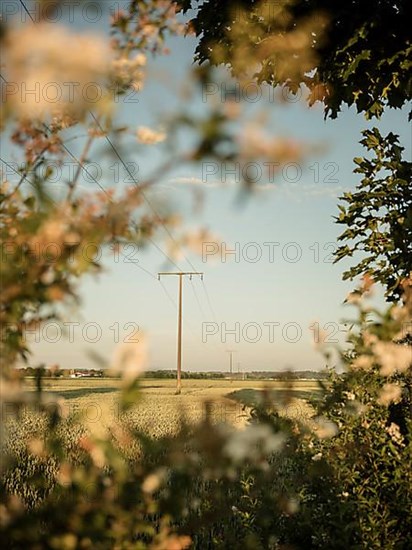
(241, 291)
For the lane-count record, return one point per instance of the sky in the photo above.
(258, 301)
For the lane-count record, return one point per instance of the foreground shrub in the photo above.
(277, 483)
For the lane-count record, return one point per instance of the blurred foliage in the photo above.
(279, 482)
(341, 479)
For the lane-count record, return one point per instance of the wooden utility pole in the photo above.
(231, 352)
(180, 274)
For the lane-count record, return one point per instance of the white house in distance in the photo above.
(85, 373)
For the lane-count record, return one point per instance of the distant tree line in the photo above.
(287, 375)
(172, 374)
(254, 375)
(56, 372)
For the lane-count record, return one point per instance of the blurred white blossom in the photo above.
(395, 433)
(392, 357)
(153, 481)
(390, 393)
(354, 297)
(363, 362)
(350, 396)
(129, 72)
(147, 136)
(52, 71)
(254, 143)
(199, 241)
(130, 359)
(325, 428)
(252, 442)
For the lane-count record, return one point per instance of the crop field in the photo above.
(91, 407)
(159, 411)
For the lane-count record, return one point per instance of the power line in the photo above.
(22, 176)
(26, 10)
(162, 252)
(81, 165)
(54, 202)
(168, 294)
(203, 311)
(124, 165)
(186, 323)
(212, 312)
(116, 152)
(209, 302)
(141, 267)
(197, 299)
(127, 170)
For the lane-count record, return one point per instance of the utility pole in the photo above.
(180, 274)
(231, 352)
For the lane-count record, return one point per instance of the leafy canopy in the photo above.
(363, 53)
(378, 215)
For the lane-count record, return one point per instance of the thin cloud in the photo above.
(198, 182)
(186, 180)
(294, 190)
(302, 190)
